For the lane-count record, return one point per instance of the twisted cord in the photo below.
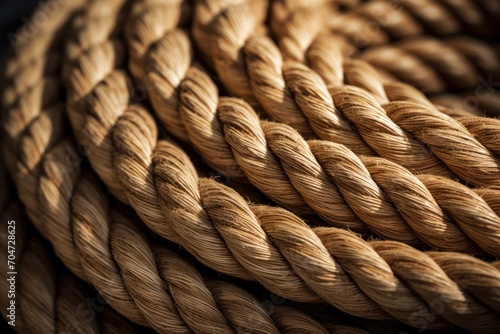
(43, 303)
(166, 14)
(89, 227)
(170, 62)
(270, 231)
(31, 75)
(29, 133)
(135, 277)
(134, 137)
(379, 21)
(299, 179)
(203, 14)
(125, 161)
(397, 260)
(34, 41)
(63, 192)
(432, 65)
(311, 96)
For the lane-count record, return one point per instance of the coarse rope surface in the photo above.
(376, 22)
(434, 65)
(45, 303)
(338, 112)
(317, 176)
(80, 232)
(133, 164)
(217, 226)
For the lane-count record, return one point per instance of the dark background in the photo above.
(11, 14)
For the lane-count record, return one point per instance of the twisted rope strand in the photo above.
(134, 139)
(229, 124)
(90, 220)
(42, 303)
(377, 22)
(313, 105)
(64, 194)
(147, 168)
(46, 303)
(433, 65)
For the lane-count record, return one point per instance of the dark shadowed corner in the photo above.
(13, 13)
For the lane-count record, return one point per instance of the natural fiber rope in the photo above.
(216, 211)
(232, 141)
(188, 303)
(46, 303)
(201, 216)
(347, 123)
(132, 132)
(433, 65)
(63, 195)
(378, 21)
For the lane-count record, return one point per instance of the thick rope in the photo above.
(161, 185)
(433, 65)
(231, 139)
(46, 303)
(377, 22)
(348, 124)
(63, 193)
(126, 155)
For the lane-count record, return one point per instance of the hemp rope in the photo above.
(433, 65)
(161, 185)
(385, 243)
(130, 159)
(189, 301)
(382, 21)
(45, 303)
(378, 22)
(265, 153)
(316, 106)
(68, 188)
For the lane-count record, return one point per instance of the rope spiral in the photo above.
(71, 211)
(317, 108)
(358, 151)
(232, 140)
(159, 182)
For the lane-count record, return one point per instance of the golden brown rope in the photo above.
(87, 207)
(63, 193)
(29, 132)
(44, 303)
(377, 22)
(130, 155)
(348, 124)
(201, 216)
(433, 65)
(230, 138)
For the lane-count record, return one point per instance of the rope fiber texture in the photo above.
(324, 177)
(368, 155)
(149, 285)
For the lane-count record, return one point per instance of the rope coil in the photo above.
(369, 155)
